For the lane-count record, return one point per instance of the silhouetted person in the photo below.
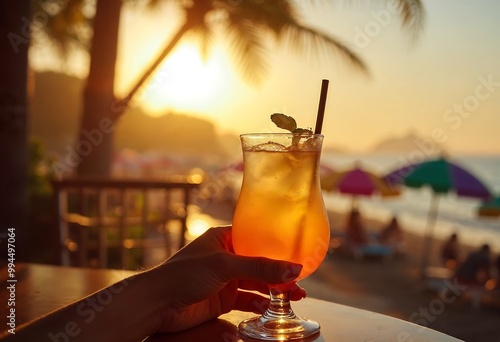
(497, 269)
(391, 234)
(475, 270)
(355, 230)
(450, 251)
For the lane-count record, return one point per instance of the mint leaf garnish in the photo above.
(302, 131)
(287, 122)
(284, 121)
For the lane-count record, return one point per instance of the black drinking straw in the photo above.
(321, 107)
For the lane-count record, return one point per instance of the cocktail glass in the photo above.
(280, 214)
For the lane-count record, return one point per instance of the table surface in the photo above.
(43, 288)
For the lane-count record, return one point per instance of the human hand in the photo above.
(205, 279)
(199, 283)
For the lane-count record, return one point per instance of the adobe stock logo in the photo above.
(436, 307)
(381, 19)
(458, 112)
(82, 148)
(87, 311)
(38, 20)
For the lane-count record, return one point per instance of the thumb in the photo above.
(264, 270)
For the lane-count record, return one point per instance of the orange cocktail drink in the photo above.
(280, 212)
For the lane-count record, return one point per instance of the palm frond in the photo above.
(306, 39)
(412, 15)
(67, 25)
(280, 18)
(268, 15)
(202, 35)
(248, 48)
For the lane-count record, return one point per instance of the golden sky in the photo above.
(445, 87)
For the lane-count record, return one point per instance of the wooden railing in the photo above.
(95, 215)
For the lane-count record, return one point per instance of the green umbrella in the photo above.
(443, 177)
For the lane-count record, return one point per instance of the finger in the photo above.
(297, 293)
(251, 302)
(251, 285)
(214, 239)
(220, 236)
(261, 269)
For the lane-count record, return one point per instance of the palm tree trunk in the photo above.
(14, 16)
(124, 103)
(94, 148)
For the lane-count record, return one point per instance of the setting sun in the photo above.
(186, 82)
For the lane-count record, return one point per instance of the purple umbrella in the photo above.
(442, 176)
(357, 181)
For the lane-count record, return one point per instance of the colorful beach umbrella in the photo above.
(442, 176)
(357, 182)
(490, 208)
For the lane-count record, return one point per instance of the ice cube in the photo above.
(310, 144)
(270, 146)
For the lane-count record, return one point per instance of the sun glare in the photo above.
(186, 83)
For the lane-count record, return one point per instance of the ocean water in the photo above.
(455, 214)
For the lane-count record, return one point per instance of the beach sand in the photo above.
(394, 287)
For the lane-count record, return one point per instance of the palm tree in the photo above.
(13, 123)
(94, 147)
(246, 23)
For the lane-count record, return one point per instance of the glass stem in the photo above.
(279, 307)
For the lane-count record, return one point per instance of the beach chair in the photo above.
(339, 241)
(371, 250)
(439, 279)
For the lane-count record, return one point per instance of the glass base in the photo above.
(278, 328)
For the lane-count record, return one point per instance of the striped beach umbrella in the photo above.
(356, 182)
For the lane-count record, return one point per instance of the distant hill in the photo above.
(406, 144)
(55, 104)
(55, 113)
(175, 133)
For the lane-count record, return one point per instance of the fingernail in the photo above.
(293, 271)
